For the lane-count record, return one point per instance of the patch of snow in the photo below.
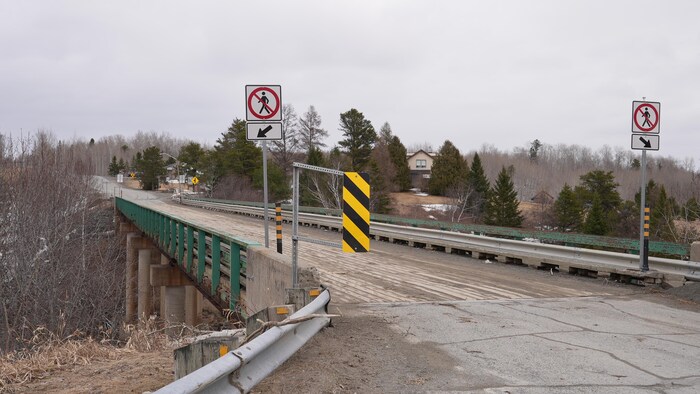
(436, 207)
(534, 240)
(421, 194)
(432, 217)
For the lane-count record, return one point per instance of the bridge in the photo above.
(219, 252)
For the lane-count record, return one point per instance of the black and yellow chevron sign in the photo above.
(355, 212)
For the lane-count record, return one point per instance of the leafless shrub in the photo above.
(60, 263)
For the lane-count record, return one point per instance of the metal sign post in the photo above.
(267, 219)
(646, 119)
(263, 117)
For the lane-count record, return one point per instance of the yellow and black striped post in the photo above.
(645, 256)
(278, 223)
(355, 212)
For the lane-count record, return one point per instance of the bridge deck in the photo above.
(393, 273)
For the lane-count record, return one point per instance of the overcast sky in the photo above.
(474, 72)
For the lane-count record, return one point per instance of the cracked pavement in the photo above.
(557, 345)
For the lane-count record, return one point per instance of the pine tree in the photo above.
(691, 210)
(480, 187)
(596, 222)
(379, 202)
(502, 204)
(398, 154)
(359, 138)
(567, 209)
(314, 158)
(151, 168)
(449, 170)
(113, 168)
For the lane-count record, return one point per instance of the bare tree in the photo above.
(310, 132)
(284, 150)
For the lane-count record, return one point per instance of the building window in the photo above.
(420, 163)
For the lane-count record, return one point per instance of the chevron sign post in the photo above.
(355, 212)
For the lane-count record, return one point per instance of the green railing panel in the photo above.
(190, 246)
(181, 244)
(176, 239)
(235, 277)
(215, 264)
(201, 255)
(172, 248)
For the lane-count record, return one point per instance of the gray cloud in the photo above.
(500, 73)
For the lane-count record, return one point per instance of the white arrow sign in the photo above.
(263, 131)
(645, 141)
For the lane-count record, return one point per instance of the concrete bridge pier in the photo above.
(134, 243)
(180, 299)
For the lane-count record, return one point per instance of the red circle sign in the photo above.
(271, 111)
(645, 116)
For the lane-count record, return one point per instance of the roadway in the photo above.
(462, 324)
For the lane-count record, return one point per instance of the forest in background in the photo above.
(50, 211)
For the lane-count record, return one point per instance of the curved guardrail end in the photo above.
(241, 369)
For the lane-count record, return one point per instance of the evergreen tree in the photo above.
(306, 186)
(448, 171)
(662, 216)
(502, 204)
(277, 185)
(398, 154)
(596, 222)
(121, 166)
(567, 209)
(535, 149)
(113, 168)
(691, 210)
(359, 138)
(234, 154)
(480, 187)
(190, 157)
(379, 202)
(602, 184)
(151, 168)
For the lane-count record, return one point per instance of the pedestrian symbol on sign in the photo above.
(264, 100)
(645, 117)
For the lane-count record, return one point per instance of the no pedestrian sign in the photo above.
(646, 116)
(263, 103)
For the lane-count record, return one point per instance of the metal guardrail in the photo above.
(241, 369)
(532, 253)
(213, 260)
(625, 245)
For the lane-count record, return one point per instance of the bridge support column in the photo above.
(145, 303)
(134, 242)
(174, 304)
(193, 305)
(181, 300)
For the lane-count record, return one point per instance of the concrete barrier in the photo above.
(269, 274)
(695, 251)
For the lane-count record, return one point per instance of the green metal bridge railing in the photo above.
(213, 260)
(625, 245)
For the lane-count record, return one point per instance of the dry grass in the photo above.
(46, 352)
